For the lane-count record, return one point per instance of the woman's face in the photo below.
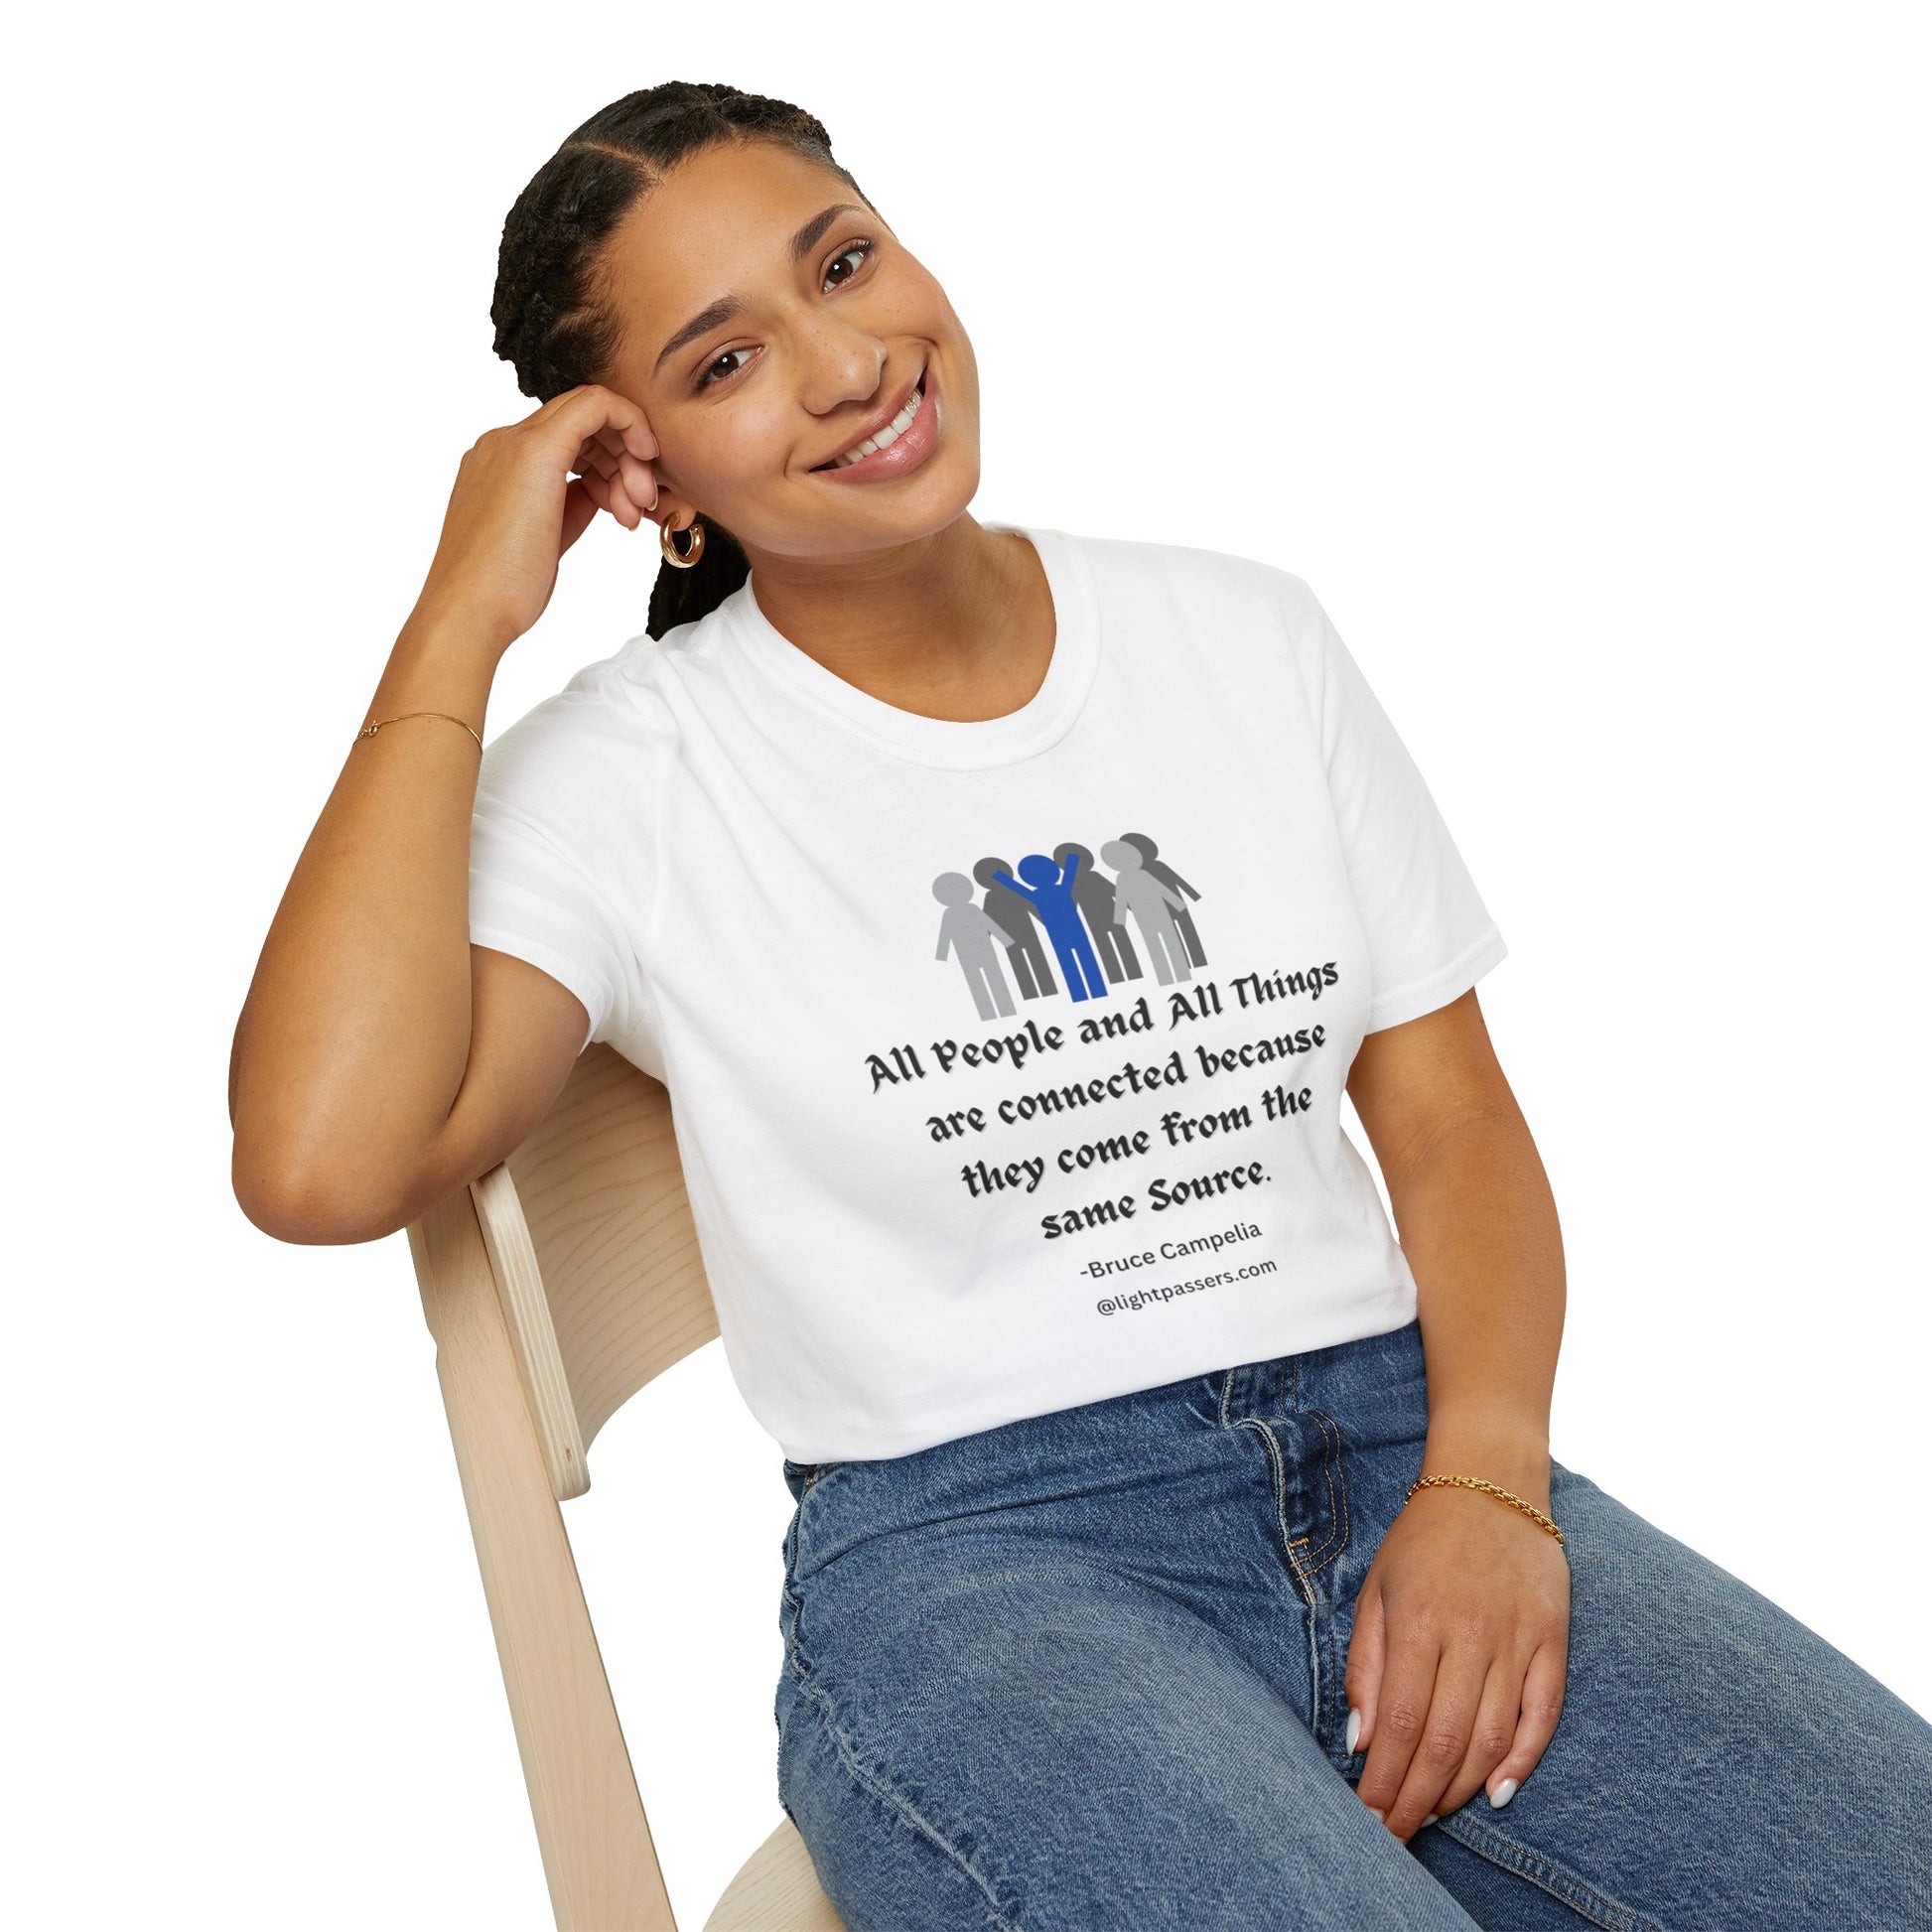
(746, 405)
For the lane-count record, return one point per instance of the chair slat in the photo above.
(557, 1286)
(597, 1856)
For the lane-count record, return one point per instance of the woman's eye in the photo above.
(860, 248)
(723, 361)
(723, 368)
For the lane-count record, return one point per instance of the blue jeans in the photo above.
(1085, 1670)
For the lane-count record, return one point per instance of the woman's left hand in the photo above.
(1459, 1656)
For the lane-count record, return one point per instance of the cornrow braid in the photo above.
(552, 314)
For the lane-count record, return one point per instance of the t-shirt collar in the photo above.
(1039, 723)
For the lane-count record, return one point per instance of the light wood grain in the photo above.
(557, 1286)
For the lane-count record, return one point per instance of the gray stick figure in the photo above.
(1154, 905)
(1183, 918)
(968, 931)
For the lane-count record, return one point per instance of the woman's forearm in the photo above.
(1478, 1222)
(356, 1031)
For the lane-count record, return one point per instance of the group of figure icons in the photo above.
(1064, 903)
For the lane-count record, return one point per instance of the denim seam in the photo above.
(793, 1606)
(1277, 1466)
(879, 1787)
(1337, 1493)
(1307, 1566)
(1560, 1883)
(1327, 1712)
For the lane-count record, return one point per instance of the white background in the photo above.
(1578, 361)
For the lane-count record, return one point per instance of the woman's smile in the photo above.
(899, 445)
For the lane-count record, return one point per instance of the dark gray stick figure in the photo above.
(1025, 954)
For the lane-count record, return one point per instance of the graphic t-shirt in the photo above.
(1006, 1057)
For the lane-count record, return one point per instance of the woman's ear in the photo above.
(674, 508)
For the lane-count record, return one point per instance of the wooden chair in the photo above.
(556, 1286)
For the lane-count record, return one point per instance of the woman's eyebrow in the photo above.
(729, 304)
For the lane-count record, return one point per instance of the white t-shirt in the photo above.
(1006, 1057)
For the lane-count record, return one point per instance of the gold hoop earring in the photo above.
(667, 542)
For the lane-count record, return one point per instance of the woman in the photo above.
(1007, 912)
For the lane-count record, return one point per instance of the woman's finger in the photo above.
(610, 439)
(1492, 1734)
(591, 409)
(606, 452)
(1443, 1740)
(593, 456)
(1361, 1677)
(610, 432)
(629, 421)
(611, 495)
(1543, 1691)
(621, 495)
(638, 482)
(1403, 1700)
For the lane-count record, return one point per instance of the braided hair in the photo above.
(552, 316)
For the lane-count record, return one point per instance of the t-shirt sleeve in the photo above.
(534, 890)
(1429, 935)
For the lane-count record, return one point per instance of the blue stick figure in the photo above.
(1052, 891)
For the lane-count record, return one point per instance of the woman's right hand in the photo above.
(523, 494)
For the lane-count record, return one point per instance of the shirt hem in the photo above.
(1365, 1319)
(1411, 1001)
(560, 966)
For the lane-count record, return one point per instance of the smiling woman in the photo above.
(740, 343)
(918, 857)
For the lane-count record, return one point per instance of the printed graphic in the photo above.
(1117, 1131)
(1063, 904)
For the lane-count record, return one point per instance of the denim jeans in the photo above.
(1085, 1670)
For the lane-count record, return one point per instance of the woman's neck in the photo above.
(957, 626)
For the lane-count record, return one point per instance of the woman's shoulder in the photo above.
(609, 708)
(1189, 566)
(1228, 597)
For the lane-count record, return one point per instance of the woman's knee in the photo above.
(1751, 1748)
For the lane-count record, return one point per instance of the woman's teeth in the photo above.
(889, 435)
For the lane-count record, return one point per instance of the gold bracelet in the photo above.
(369, 731)
(1476, 1482)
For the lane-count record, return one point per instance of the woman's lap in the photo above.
(1050, 1746)
(1085, 1671)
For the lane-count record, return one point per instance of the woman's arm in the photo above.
(1459, 1656)
(380, 1058)
(1476, 1218)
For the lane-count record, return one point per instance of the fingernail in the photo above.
(1431, 1818)
(1354, 1731)
(1502, 1794)
(1378, 1816)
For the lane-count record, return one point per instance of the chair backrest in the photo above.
(556, 1286)
(588, 1232)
